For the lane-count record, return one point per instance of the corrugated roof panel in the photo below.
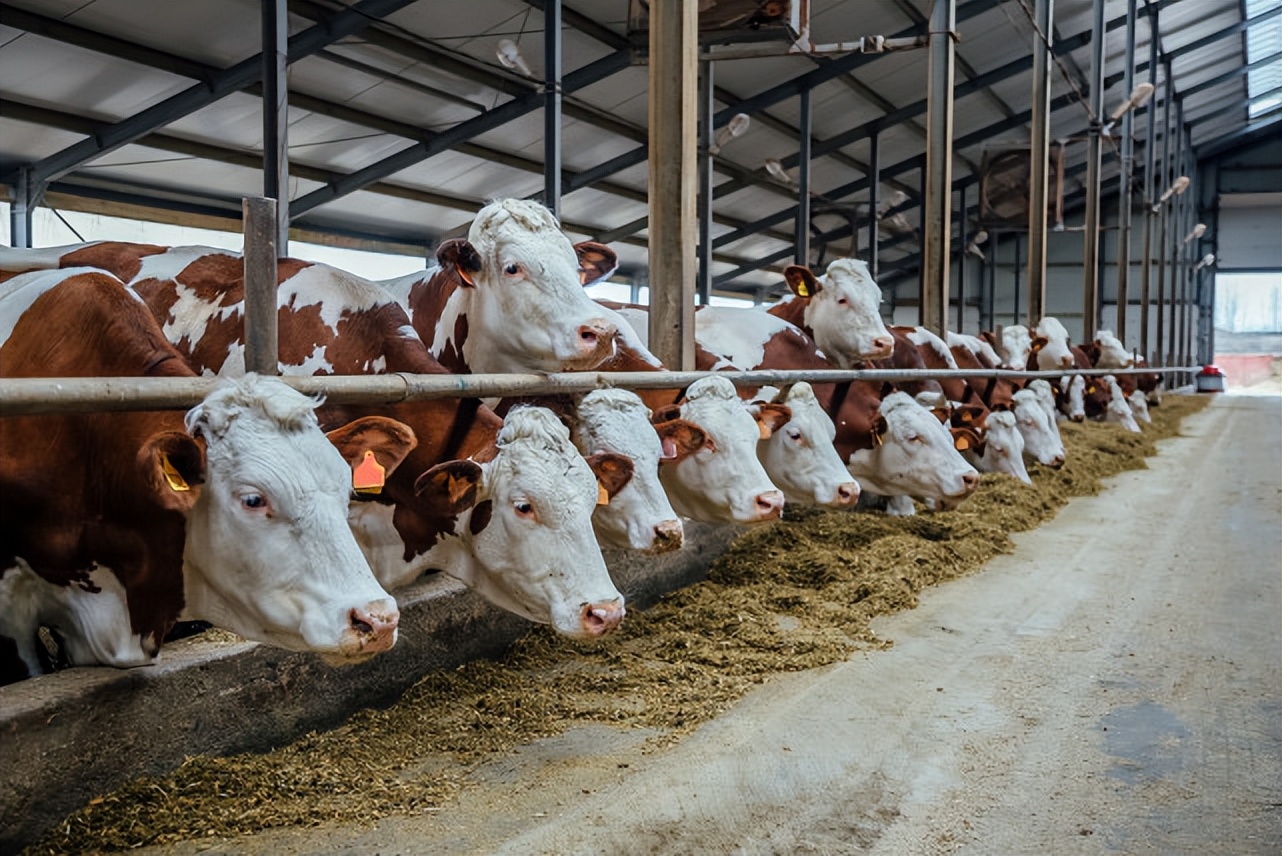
(25, 142)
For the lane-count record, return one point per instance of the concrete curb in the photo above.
(69, 736)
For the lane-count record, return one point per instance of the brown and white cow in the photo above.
(510, 297)
(115, 524)
(484, 521)
(839, 311)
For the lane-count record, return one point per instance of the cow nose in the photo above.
(1066, 362)
(1057, 462)
(847, 493)
(668, 535)
(594, 334)
(769, 505)
(971, 480)
(1078, 417)
(884, 346)
(375, 626)
(598, 619)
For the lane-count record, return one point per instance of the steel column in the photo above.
(1091, 237)
(1039, 151)
(707, 134)
(275, 55)
(874, 202)
(1165, 174)
(21, 203)
(1150, 184)
(552, 106)
(260, 285)
(674, 62)
(961, 261)
(802, 223)
(1014, 316)
(937, 207)
(1127, 173)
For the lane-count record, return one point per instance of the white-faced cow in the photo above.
(1052, 347)
(1035, 421)
(115, 524)
(1002, 450)
(838, 311)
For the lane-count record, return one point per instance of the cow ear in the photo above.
(964, 415)
(450, 488)
(1039, 342)
(965, 439)
(987, 336)
(373, 447)
(879, 428)
(666, 413)
(680, 438)
(173, 464)
(1092, 352)
(596, 261)
(613, 471)
(801, 281)
(459, 255)
(771, 417)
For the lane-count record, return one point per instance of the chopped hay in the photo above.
(790, 596)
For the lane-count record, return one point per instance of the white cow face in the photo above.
(843, 311)
(1112, 353)
(1045, 397)
(800, 458)
(1037, 428)
(525, 525)
(1003, 447)
(1054, 352)
(526, 309)
(269, 554)
(1119, 409)
(915, 455)
(1075, 397)
(1015, 348)
(638, 517)
(1139, 406)
(724, 481)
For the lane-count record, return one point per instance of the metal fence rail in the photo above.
(29, 396)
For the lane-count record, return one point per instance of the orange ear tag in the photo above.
(176, 481)
(763, 429)
(602, 495)
(369, 475)
(961, 444)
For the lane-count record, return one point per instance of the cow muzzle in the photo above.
(768, 506)
(668, 536)
(847, 495)
(595, 343)
(883, 347)
(599, 619)
(373, 627)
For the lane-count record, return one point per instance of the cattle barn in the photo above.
(641, 426)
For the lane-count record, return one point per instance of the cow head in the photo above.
(524, 521)
(1003, 450)
(1139, 406)
(1054, 353)
(525, 306)
(914, 455)
(639, 516)
(1041, 440)
(1015, 347)
(799, 457)
(1118, 409)
(842, 311)
(1110, 352)
(269, 554)
(723, 481)
(1072, 400)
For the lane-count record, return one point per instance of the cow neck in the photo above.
(428, 301)
(794, 312)
(117, 257)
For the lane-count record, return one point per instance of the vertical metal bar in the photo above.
(1180, 218)
(874, 202)
(1124, 187)
(275, 18)
(634, 291)
(1039, 151)
(1091, 237)
(1164, 180)
(961, 261)
(260, 226)
(673, 69)
(20, 209)
(937, 208)
(802, 223)
(707, 111)
(1014, 316)
(1150, 193)
(552, 106)
(991, 270)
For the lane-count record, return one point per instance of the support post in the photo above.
(1014, 316)
(21, 203)
(1124, 187)
(1091, 237)
(552, 106)
(1180, 218)
(1150, 193)
(874, 202)
(961, 260)
(1166, 174)
(707, 115)
(674, 60)
(1039, 151)
(275, 15)
(802, 223)
(260, 285)
(937, 207)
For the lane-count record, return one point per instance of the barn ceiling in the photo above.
(403, 121)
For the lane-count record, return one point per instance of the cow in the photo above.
(449, 507)
(1002, 449)
(1014, 347)
(1118, 410)
(839, 312)
(509, 297)
(972, 352)
(1035, 421)
(1051, 348)
(115, 525)
(1107, 352)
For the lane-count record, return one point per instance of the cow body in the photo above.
(115, 524)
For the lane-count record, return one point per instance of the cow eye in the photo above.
(913, 438)
(512, 269)
(794, 434)
(523, 509)
(254, 502)
(841, 301)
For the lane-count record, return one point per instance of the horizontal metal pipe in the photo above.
(30, 396)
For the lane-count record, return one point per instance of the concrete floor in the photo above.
(1114, 686)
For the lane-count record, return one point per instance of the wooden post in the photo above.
(260, 285)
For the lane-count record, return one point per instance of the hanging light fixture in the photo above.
(1177, 187)
(510, 56)
(1196, 232)
(734, 128)
(1207, 261)
(775, 168)
(973, 247)
(1138, 98)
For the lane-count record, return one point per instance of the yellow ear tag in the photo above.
(763, 429)
(176, 481)
(369, 475)
(803, 290)
(602, 495)
(961, 444)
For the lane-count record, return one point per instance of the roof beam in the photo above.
(107, 138)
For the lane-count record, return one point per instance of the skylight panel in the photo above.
(1263, 40)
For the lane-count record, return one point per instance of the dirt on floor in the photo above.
(791, 596)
